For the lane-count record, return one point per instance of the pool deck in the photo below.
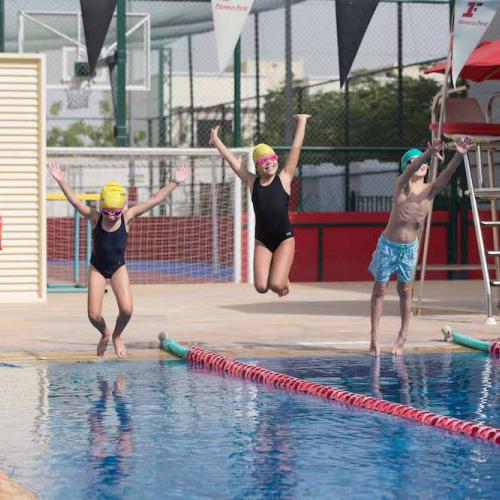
(318, 319)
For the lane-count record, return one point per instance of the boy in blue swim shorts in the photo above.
(397, 247)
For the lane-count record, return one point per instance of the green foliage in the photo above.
(373, 113)
(81, 133)
(55, 108)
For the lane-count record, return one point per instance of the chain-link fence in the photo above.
(355, 137)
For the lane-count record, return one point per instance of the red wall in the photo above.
(347, 246)
(347, 250)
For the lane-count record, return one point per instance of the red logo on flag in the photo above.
(471, 9)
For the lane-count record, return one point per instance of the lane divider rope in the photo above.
(493, 347)
(219, 363)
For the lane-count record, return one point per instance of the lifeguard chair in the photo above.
(464, 117)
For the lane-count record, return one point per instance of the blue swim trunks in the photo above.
(390, 258)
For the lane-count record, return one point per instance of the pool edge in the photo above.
(10, 489)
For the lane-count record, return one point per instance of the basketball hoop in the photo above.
(78, 93)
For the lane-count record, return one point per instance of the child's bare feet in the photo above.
(284, 291)
(374, 349)
(120, 350)
(397, 348)
(102, 345)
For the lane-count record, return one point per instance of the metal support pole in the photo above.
(464, 224)
(170, 98)
(237, 95)
(288, 74)
(76, 249)
(237, 229)
(347, 183)
(215, 225)
(191, 115)
(453, 226)
(434, 168)
(257, 73)
(161, 127)
(300, 171)
(2, 25)
(121, 114)
(401, 132)
(250, 226)
(161, 97)
(191, 89)
(150, 162)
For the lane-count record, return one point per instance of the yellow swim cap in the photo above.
(262, 150)
(113, 195)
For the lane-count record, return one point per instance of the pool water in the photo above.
(166, 430)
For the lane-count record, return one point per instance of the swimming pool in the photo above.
(162, 429)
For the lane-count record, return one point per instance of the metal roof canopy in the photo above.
(170, 19)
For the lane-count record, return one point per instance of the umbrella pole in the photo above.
(434, 168)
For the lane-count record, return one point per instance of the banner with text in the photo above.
(471, 21)
(229, 19)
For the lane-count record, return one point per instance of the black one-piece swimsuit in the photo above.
(270, 204)
(108, 249)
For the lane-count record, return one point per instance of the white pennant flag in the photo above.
(229, 19)
(471, 21)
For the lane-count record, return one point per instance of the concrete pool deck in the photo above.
(318, 319)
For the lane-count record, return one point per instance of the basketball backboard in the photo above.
(60, 36)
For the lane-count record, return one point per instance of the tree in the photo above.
(80, 133)
(372, 118)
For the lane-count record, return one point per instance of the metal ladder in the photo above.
(490, 193)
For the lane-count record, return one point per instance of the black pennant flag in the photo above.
(96, 15)
(353, 18)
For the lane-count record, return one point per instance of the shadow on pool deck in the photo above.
(330, 308)
(234, 319)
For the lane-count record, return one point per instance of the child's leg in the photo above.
(405, 292)
(96, 284)
(280, 267)
(262, 258)
(120, 284)
(376, 307)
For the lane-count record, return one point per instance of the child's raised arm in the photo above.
(180, 175)
(58, 174)
(294, 155)
(462, 146)
(247, 177)
(412, 168)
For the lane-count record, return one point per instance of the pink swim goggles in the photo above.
(266, 158)
(112, 212)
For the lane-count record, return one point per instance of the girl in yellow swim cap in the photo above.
(110, 227)
(274, 239)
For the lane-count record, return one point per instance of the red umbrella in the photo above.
(483, 64)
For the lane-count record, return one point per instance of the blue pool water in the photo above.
(166, 430)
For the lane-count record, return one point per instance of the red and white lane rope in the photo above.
(217, 362)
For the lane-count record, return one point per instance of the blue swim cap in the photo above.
(408, 156)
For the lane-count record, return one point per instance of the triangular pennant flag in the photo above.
(471, 21)
(96, 16)
(229, 19)
(353, 18)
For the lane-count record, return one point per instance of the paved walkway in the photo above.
(315, 319)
